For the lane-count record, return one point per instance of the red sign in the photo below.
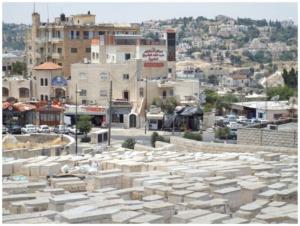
(153, 64)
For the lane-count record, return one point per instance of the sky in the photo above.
(137, 12)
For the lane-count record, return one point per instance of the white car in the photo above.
(242, 119)
(73, 129)
(44, 129)
(29, 128)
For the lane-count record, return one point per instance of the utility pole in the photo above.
(146, 106)
(110, 106)
(76, 149)
(266, 103)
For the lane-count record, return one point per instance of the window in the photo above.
(101, 32)
(164, 94)
(3, 68)
(260, 115)
(82, 76)
(60, 64)
(97, 56)
(77, 34)
(46, 82)
(171, 92)
(84, 102)
(103, 93)
(88, 50)
(127, 56)
(42, 82)
(71, 35)
(126, 95)
(59, 50)
(93, 55)
(103, 76)
(141, 92)
(170, 70)
(85, 35)
(126, 76)
(277, 116)
(46, 97)
(30, 61)
(83, 92)
(29, 47)
(42, 97)
(9, 68)
(73, 50)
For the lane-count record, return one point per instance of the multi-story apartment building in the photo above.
(129, 61)
(67, 40)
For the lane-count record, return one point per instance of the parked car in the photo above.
(61, 129)
(44, 129)
(73, 129)
(242, 119)
(15, 129)
(29, 128)
(4, 129)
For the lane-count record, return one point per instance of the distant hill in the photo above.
(13, 36)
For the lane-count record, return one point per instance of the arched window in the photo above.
(46, 82)
(5, 92)
(46, 97)
(42, 97)
(42, 82)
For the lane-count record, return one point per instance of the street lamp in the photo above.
(76, 144)
(146, 91)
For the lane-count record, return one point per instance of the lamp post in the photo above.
(146, 106)
(76, 144)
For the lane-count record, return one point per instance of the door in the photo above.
(132, 121)
(126, 95)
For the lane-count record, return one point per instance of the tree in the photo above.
(84, 124)
(156, 137)
(222, 133)
(284, 92)
(290, 78)
(169, 105)
(19, 68)
(213, 79)
(129, 143)
(223, 103)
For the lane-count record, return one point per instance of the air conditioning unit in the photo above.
(92, 102)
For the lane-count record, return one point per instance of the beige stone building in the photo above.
(131, 63)
(67, 40)
(17, 87)
(48, 82)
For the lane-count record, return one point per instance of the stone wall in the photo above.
(265, 137)
(191, 145)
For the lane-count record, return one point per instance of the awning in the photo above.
(158, 116)
(119, 110)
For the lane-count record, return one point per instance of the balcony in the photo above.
(56, 56)
(56, 39)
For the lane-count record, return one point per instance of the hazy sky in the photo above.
(137, 12)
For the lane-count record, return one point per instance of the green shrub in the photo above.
(222, 133)
(193, 136)
(156, 137)
(129, 143)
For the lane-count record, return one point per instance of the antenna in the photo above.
(33, 7)
(47, 14)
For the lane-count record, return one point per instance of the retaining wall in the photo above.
(191, 145)
(265, 137)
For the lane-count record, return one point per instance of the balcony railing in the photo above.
(56, 55)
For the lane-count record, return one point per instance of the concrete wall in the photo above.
(267, 137)
(191, 145)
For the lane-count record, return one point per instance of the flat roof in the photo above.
(271, 105)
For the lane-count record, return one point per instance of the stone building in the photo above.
(67, 40)
(49, 82)
(17, 87)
